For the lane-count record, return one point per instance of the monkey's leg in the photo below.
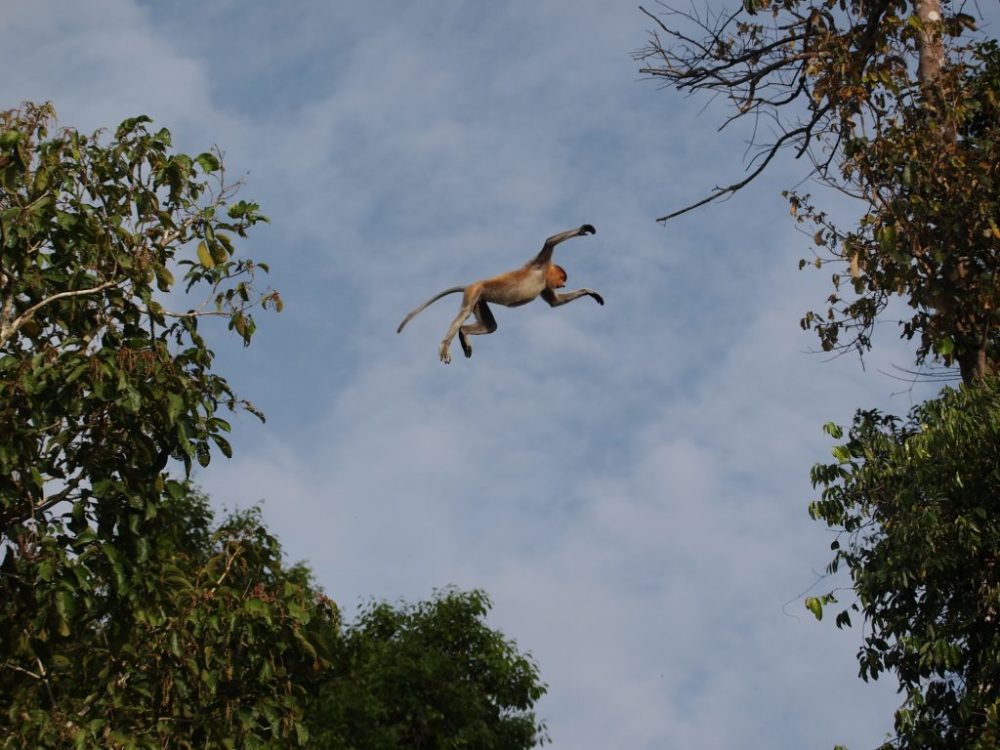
(485, 323)
(468, 305)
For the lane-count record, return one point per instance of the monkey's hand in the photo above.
(596, 295)
(588, 229)
(445, 354)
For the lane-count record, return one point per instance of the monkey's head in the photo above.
(556, 277)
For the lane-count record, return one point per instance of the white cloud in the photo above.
(100, 62)
(628, 482)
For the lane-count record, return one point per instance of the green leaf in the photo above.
(142, 549)
(224, 446)
(226, 241)
(87, 536)
(301, 733)
(209, 162)
(164, 278)
(944, 347)
(218, 252)
(814, 605)
(101, 487)
(46, 569)
(203, 455)
(887, 240)
(204, 256)
(176, 489)
(64, 605)
(129, 125)
(175, 405)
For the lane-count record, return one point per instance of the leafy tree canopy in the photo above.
(211, 641)
(128, 618)
(101, 382)
(429, 675)
(917, 505)
(896, 103)
(931, 178)
(194, 637)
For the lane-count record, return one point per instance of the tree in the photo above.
(202, 637)
(431, 675)
(100, 383)
(894, 107)
(219, 644)
(128, 618)
(918, 506)
(897, 105)
(931, 232)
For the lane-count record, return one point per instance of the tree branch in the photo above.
(730, 189)
(9, 329)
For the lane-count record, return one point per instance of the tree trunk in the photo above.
(973, 365)
(931, 43)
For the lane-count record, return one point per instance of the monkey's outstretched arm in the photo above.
(555, 299)
(550, 244)
(429, 302)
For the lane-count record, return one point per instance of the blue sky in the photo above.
(629, 482)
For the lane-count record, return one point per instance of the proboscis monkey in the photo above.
(539, 276)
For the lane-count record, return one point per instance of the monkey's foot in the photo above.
(445, 354)
(588, 229)
(466, 345)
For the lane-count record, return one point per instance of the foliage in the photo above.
(100, 383)
(932, 232)
(917, 504)
(215, 643)
(210, 641)
(110, 588)
(199, 638)
(895, 105)
(127, 618)
(431, 676)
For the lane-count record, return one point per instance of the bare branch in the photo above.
(730, 189)
(763, 68)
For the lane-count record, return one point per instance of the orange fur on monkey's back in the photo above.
(515, 288)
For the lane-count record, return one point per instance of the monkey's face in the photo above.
(557, 277)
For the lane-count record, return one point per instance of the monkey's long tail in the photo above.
(428, 303)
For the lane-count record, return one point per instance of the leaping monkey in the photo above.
(539, 276)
